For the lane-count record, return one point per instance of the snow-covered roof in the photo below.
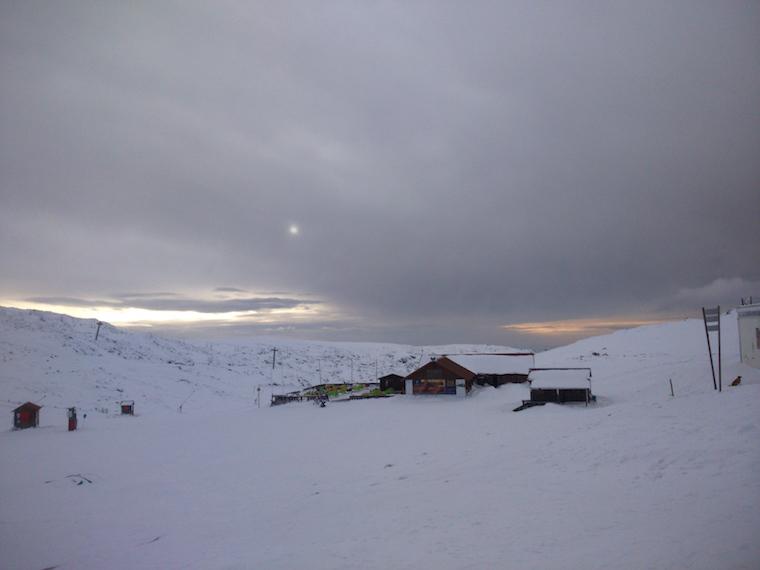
(752, 310)
(494, 363)
(574, 378)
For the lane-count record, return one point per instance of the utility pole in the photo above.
(274, 359)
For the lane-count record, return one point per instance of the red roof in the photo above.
(446, 364)
(28, 406)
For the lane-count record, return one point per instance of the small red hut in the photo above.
(26, 415)
(128, 408)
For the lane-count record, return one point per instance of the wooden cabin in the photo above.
(127, 408)
(393, 382)
(560, 385)
(27, 415)
(439, 376)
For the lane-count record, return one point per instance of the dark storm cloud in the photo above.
(181, 304)
(452, 167)
(140, 295)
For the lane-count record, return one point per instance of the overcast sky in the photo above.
(417, 172)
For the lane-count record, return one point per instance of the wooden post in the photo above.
(709, 349)
(97, 332)
(671, 387)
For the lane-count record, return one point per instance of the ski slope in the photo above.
(640, 480)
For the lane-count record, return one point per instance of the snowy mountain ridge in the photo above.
(55, 356)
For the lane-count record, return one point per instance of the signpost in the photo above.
(711, 318)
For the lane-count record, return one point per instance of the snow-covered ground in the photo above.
(639, 480)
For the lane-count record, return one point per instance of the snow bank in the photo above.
(568, 379)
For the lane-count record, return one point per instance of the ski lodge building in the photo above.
(444, 374)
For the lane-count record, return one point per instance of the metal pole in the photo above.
(97, 332)
(720, 361)
(671, 387)
(709, 349)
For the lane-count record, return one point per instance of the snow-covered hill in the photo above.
(639, 480)
(55, 360)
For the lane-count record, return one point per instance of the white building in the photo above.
(749, 334)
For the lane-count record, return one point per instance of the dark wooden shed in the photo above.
(128, 407)
(439, 376)
(26, 415)
(393, 382)
(560, 385)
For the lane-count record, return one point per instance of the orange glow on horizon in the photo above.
(582, 326)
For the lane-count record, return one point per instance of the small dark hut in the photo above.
(71, 413)
(26, 415)
(560, 385)
(127, 408)
(393, 382)
(278, 399)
